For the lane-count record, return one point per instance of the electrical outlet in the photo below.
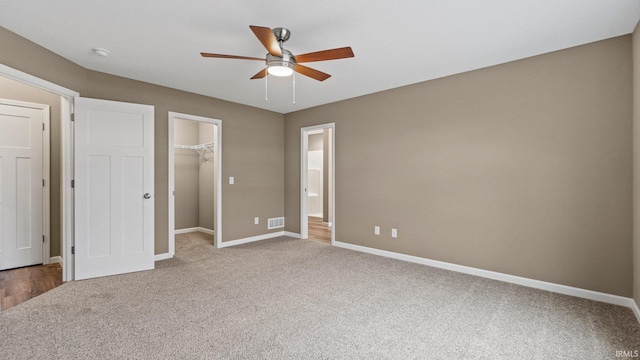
(394, 233)
(376, 230)
(231, 180)
(256, 220)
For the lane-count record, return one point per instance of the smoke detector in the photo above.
(101, 52)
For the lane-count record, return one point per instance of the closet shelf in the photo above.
(201, 149)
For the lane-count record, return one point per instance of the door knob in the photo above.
(147, 196)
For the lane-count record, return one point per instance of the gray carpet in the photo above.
(297, 299)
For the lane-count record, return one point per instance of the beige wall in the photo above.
(326, 188)
(206, 179)
(186, 175)
(523, 168)
(252, 138)
(14, 90)
(636, 164)
(23, 55)
(315, 142)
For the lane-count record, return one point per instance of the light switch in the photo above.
(394, 233)
(256, 220)
(231, 180)
(376, 230)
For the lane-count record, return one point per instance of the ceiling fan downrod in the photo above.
(282, 35)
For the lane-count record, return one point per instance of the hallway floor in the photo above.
(21, 284)
(318, 231)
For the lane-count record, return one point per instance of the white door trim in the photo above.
(218, 154)
(304, 144)
(46, 175)
(66, 195)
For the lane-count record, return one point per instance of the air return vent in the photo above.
(275, 223)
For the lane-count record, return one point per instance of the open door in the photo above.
(114, 194)
(22, 182)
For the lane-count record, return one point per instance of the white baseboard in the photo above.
(194, 229)
(251, 239)
(293, 235)
(537, 284)
(206, 231)
(635, 309)
(186, 230)
(329, 224)
(159, 257)
(58, 259)
(231, 242)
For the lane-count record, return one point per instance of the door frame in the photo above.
(66, 171)
(218, 172)
(304, 170)
(46, 175)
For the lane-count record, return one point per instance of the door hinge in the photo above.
(42, 182)
(73, 250)
(73, 117)
(42, 238)
(73, 183)
(42, 126)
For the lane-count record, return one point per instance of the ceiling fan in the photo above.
(280, 61)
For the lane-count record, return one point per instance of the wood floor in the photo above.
(22, 284)
(318, 231)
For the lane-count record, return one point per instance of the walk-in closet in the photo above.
(195, 176)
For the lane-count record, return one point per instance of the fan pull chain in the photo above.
(266, 89)
(294, 88)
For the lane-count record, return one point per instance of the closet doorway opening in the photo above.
(317, 205)
(195, 165)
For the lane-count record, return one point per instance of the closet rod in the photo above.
(208, 146)
(201, 149)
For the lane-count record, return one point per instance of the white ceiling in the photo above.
(395, 43)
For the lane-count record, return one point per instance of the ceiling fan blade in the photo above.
(266, 37)
(260, 74)
(312, 73)
(222, 56)
(323, 55)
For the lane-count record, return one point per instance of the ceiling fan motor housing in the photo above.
(286, 60)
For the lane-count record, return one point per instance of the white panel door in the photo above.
(114, 195)
(21, 185)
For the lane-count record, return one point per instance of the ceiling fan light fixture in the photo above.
(279, 70)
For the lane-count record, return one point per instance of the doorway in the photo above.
(65, 171)
(195, 165)
(317, 175)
